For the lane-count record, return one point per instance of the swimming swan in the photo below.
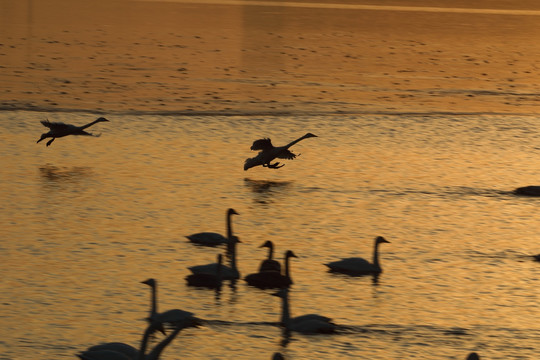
(359, 266)
(121, 351)
(58, 129)
(269, 264)
(307, 324)
(212, 238)
(272, 279)
(269, 152)
(227, 272)
(211, 281)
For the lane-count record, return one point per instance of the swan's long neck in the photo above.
(153, 309)
(285, 311)
(287, 270)
(294, 142)
(376, 255)
(270, 252)
(229, 226)
(156, 351)
(89, 124)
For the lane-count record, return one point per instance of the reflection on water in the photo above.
(54, 174)
(265, 190)
(83, 222)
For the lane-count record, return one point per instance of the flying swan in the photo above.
(269, 152)
(212, 238)
(58, 129)
(357, 265)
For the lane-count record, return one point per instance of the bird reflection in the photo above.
(264, 190)
(52, 173)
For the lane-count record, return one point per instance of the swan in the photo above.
(269, 264)
(162, 318)
(212, 238)
(227, 272)
(121, 351)
(307, 324)
(272, 279)
(269, 152)
(58, 129)
(278, 356)
(212, 281)
(359, 266)
(536, 257)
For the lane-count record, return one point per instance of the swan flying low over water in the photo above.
(270, 152)
(359, 266)
(59, 129)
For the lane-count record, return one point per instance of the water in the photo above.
(85, 220)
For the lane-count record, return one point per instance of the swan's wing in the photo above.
(307, 317)
(314, 326)
(252, 162)
(55, 125)
(262, 144)
(286, 154)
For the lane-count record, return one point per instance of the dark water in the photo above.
(85, 220)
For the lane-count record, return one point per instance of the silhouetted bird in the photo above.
(212, 238)
(58, 129)
(269, 152)
(357, 265)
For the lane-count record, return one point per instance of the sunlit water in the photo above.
(85, 220)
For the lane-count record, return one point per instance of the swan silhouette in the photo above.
(59, 129)
(272, 279)
(211, 281)
(307, 324)
(359, 266)
(269, 264)
(121, 351)
(153, 302)
(270, 152)
(536, 257)
(227, 272)
(473, 356)
(212, 238)
(278, 356)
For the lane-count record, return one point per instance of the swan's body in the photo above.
(227, 272)
(121, 351)
(307, 324)
(270, 152)
(269, 264)
(359, 266)
(58, 129)
(536, 257)
(272, 279)
(211, 281)
(212, 238)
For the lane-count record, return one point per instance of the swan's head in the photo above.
(473, 356)
(232, 212)
(150, 282)
(308, 135)
(380, 240)
(268, 244)
(289, 254)
(100, 119)
(277, 356)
